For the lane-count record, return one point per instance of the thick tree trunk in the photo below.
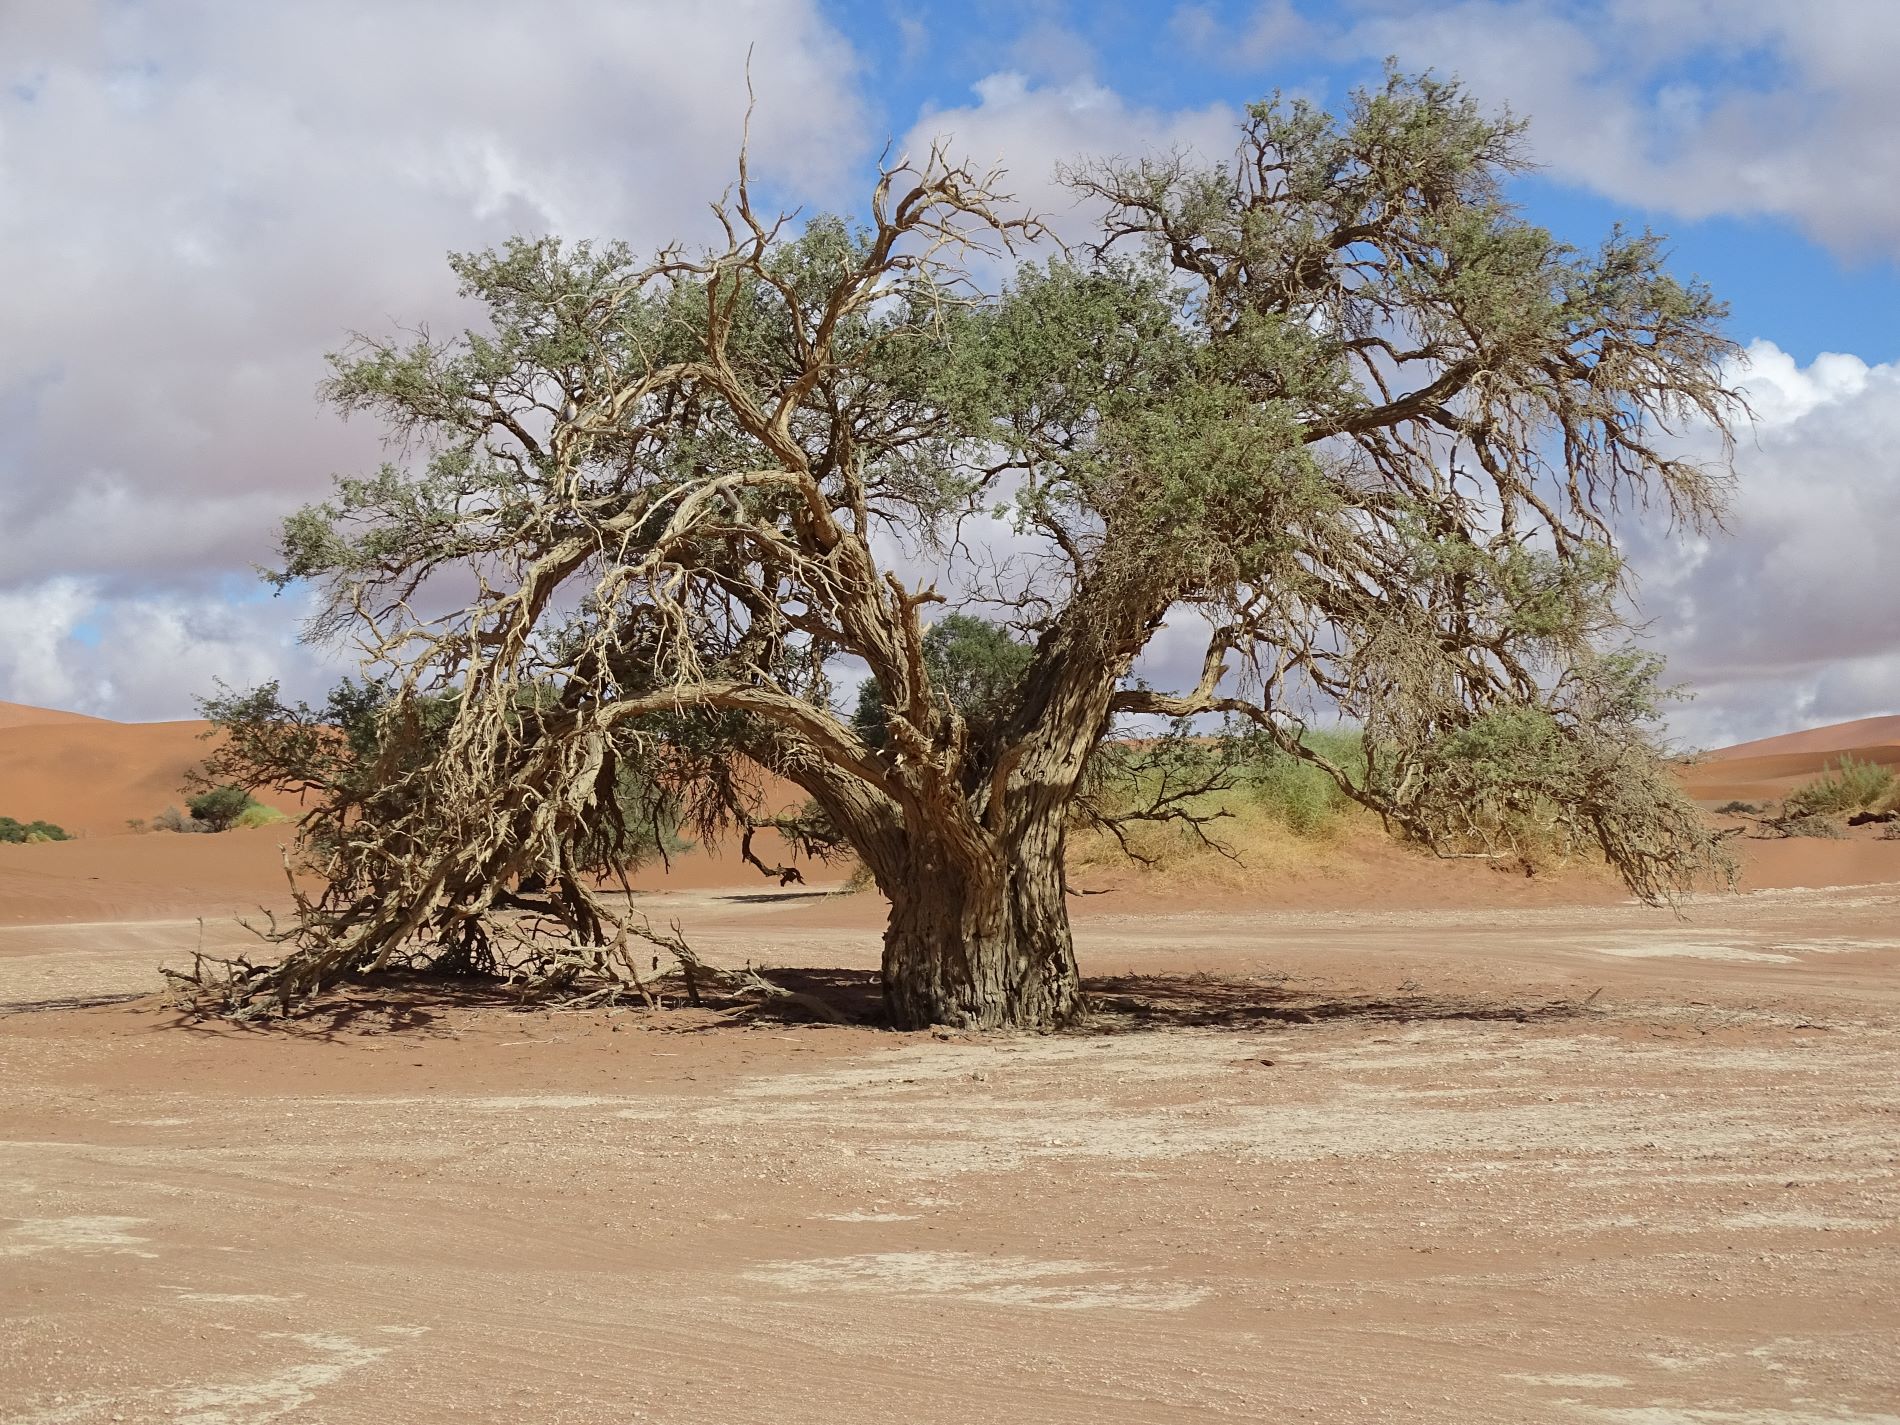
(973, 955)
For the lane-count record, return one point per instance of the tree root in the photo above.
(570, 976)
(749, 983)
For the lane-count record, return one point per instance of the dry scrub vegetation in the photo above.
(1333, 404)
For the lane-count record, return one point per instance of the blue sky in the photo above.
(209, 193)
(1781, 284)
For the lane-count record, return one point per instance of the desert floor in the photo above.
(1529, 1163)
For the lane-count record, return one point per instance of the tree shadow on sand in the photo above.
(395, 1004)
(428, 1006)
(1132, 1003)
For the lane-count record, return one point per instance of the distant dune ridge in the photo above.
(90, 776)
(1769, 768)
(20, 715)
(1834, 739)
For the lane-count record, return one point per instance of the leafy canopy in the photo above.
(1332, 407)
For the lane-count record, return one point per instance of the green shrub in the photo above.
(17, 832)
(1295, 792)
(222, 808)
(257, 814)
(1849, 785)
(974, 666)
(219, 808)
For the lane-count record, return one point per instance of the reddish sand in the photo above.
(1426, 1168)
(1833, 739)
(1459, 1154)
(91, 776)
(1771, 767)
(20, 715)
(1772, 776)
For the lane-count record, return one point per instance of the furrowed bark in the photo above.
(981, 952)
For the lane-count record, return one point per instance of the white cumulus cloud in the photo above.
(197, 200)
(1791, 617)
(1031, 128)
(1693, 107)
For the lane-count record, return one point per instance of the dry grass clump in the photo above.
(1264, 813)
(1849, 785)
(1248, 839)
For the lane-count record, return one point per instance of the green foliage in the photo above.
(1847, 786)
(19, 832)
(974, 667)
(1299, 793)
(257, 814)
(220, 807)
(1543, 782)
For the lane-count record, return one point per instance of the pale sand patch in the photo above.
(1835, 945)
(1691, 950)
(74, 1234)
(866, 1217)
(488, 1103)
(1799, 1221)
(1721, 1415)
(232, 1298)
(1574, 1382)
(998, 1281)
(252, 1402)
(1001, 1122)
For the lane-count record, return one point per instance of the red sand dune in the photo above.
(1769, 768)
(1836, 738)
(90, 775)
(20, 715)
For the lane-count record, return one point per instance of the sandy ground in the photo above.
(1523, 1164)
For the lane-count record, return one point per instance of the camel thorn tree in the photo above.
(1334, 400)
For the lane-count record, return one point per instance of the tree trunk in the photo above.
(989, 953)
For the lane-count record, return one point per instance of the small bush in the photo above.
(19, 832)
(172, 819)
(1737, 809)
(1296, 793)
(219, 808)
(1811, 824)
(257, 814)
(1849, 785)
